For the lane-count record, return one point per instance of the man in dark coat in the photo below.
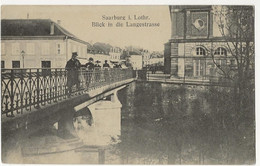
(72, 67)
(97, 64)
(106, 65)
(90, 67)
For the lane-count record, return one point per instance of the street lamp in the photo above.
(23, 54)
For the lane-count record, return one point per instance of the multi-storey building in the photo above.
(146, 58)
(37, 43)
(115, 53)
(136, 61)
(194, 39)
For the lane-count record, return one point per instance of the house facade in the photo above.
(146, 57)
(115, 53)
(194, 39)
(136, 61)
(37, 43)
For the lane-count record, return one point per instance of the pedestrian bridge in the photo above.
(32, 98)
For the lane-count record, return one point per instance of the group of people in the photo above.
(73, 65)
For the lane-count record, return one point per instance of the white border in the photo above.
(256, 3)
(128, 2)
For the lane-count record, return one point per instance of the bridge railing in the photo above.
(207, 79)
(25, 89)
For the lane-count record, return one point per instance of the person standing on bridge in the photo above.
(72, 67)
(106, 65)
(90, 67)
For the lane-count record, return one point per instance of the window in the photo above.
(200, 51)
(15, 48)
(2, 48)
(199, 67)
(2, 64)
(15, 64)
(60, 48)
(46, 64)
(223, 62)
(30, 48)
(189, 70)
(221, 51)
(232, 62)
(45, 49)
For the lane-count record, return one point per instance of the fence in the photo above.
(160, 77)
(25, 89)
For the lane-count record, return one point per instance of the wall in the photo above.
(78, 47)
(136, 61)
(115, 56)
(35, 52)
(189, 64)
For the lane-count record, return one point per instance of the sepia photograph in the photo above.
(128, 84)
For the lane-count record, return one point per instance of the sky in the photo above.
(78, 20)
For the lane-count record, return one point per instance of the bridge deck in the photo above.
(27, 90)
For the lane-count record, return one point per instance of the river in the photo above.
(153, 124)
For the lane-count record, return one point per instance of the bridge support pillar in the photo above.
(115, 100)
(106, 121)
(66, 128)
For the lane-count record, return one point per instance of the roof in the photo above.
(134, 53)
(33, 27)
(102, 47)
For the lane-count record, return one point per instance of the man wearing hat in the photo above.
(72, 66)
(90, 66)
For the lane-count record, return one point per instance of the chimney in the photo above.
(52, 28)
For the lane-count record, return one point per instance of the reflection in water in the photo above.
(159, 124)
(174, 124)
(102, 125)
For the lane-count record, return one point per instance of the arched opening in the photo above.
(200, 51)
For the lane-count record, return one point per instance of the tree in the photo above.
(236, 25)
(125, 56)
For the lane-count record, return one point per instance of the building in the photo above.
(146, 58)
(136, 61)
(194, 39)
(115, 54)
(37, 43)
(99, 52)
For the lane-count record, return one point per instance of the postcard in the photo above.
(128, 84)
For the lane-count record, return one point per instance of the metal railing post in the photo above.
(22, 92)
(12, 93)
(30, 89)
(38, 88)
(55, 87)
